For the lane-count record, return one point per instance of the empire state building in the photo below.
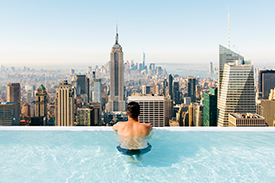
(116, 97)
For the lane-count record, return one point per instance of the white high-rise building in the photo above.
(237, 90)
(64, 105)
(226, 56)
(116, 98)
(97, 91)
(156, 110)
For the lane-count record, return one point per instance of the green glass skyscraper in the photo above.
(210, 107)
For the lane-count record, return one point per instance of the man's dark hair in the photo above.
(133, 109)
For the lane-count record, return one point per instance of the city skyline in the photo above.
(73, 32)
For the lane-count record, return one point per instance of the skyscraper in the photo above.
(176, 92)
(41, 102)
(191, 87)
(116, 98)
(143, 63)
(266, 82)
(225, 56)
(64, 105)
(81, 83)
(97, 90)
(211, 67)
(14, 92)
(9, 114)
(164, 84)
(170, 85)
(153, 109)
(237, 90)
(146, 89)
(210, 107)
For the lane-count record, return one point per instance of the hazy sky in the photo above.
(83, 31)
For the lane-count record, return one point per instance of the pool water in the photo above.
(176, 156)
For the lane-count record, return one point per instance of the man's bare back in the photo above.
(132, 128)
(132, 133)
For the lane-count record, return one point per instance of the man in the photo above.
(133, 134)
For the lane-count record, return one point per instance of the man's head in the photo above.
(133, 110)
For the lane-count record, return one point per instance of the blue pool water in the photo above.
(189, 155)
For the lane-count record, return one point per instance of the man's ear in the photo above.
(127, 113)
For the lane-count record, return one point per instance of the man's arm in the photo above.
(115, 126)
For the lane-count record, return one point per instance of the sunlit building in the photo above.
(237, 90)
(64, 105)
(116, 98)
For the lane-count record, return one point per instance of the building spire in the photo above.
(116, 33)
(228, 27)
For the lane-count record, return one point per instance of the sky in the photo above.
(82, 32)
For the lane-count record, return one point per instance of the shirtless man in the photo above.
(133, 133)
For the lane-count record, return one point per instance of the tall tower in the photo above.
(226, 56)
(143, 63)
(41, 101)
(64, 105)
(192, 88)
(176, 92)
(116, 98)
(170, 85)
(13, 92)
(237, 90)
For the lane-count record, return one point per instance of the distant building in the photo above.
(41, 102)
(10, 114)
(170, 85)
(191, 86)
(164, 85)
(173, 123)
(86, 116)
(210, 107)
(211, 67)
(246, 120)
(14, 92)
(38, 121)
(187, 100)
(268, 111)
(81, 83)
(97, 91)
(26, 110)
(176, 92)
(266, 82)
(64, 105)
(156, 89)
(97, 112)
(116, 98)
(146, 89)
(180, 116)
(153, 109)
(237, 92)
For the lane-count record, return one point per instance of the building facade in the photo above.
(246, 120)
(10, 114)
(64, 105)
(116, 98)
(14, 92)
(41, 102)
(176, 92)
(153, 109)
(191, 86)
(266, 82)
(210, 100)
(225, 56)
(237, 91)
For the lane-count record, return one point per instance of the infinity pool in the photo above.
(81, 154)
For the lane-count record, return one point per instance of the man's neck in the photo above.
(133, 120)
